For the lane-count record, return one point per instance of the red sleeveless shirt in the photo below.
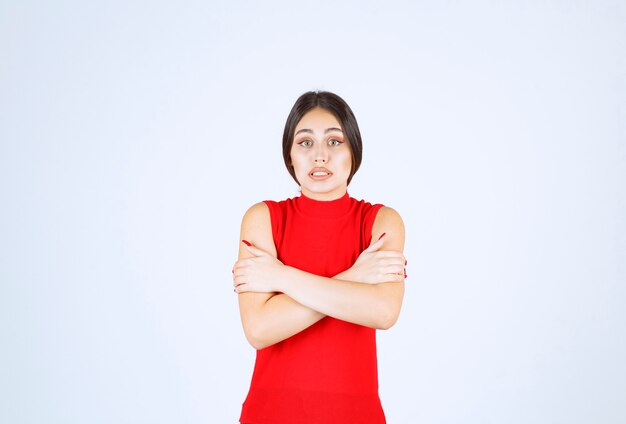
(328, 372)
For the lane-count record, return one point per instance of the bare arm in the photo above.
(268, 318)
(375, 305)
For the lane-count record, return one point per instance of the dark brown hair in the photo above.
(340, 109)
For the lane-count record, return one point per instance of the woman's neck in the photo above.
(325, 196)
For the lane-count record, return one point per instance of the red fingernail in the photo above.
(381, 236)
(246, 242)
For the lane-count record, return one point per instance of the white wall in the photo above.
(134, 135)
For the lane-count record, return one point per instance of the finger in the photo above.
(236, 282)
(376, 245)
(253, 249)
(241, 263)
(385, 259)
(239, 282)
(391, 254)
(239, 278)
(394, 269)
(393, 278)
(239, 266)
(388, 263)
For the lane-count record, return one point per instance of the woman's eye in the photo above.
(305, 143)
(334, 142)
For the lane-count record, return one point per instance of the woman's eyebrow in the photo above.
(307, 130)
(304, 130)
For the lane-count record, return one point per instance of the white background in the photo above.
(134, 135)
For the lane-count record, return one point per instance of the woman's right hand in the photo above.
(374, 266)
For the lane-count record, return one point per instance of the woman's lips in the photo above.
(320, 174)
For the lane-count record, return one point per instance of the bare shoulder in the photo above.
(389, 221)
(257, 212)
(388, 214)
(389, 217)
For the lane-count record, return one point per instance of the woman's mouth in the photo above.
(320, 174)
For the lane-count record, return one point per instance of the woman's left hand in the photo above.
(260, 273)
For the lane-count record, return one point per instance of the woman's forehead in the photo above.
(319, 118)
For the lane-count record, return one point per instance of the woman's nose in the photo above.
(321, 155)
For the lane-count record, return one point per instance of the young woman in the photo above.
(316, 276)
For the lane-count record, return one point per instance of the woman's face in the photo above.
(321, 156)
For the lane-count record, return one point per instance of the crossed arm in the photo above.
(369, 293)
